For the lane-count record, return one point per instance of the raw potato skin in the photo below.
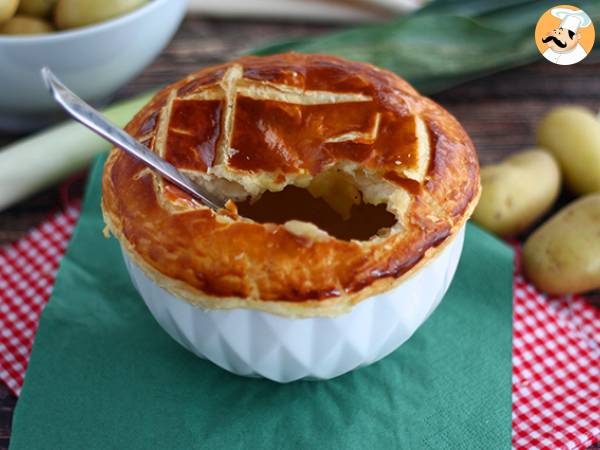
(7, 9)
(37, 8)
(25, 25)
(572, 134)
(517, 192)
(79, 13)
(563, 255)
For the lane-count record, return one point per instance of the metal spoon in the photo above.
(95, 121)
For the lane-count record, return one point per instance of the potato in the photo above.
(37, 8)
(517, 192)
(563, 255)
(8, 9)
(25, 25)
(79, 13)
(572, 134)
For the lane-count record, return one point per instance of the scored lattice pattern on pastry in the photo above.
(263, 135)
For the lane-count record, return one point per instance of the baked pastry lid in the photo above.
(433, 213)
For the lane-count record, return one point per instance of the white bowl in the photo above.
(258, 344)
(94, 61)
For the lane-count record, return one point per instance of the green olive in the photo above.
(79, 13)
(25, 25)
(7, 9)
(37, 8)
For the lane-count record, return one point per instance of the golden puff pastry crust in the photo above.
(259, 124)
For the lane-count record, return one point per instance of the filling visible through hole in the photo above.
(343, 220)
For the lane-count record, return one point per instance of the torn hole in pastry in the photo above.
(345, 201)
(335, 202)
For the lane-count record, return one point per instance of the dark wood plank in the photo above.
(499, 112)
(7, 405)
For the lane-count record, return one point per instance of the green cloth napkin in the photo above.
(104, 375)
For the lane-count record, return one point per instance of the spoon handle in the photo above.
(95, 121)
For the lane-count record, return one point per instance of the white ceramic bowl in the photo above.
(94, 61)
(258, 344)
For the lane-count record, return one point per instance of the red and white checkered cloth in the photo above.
(27, 271)
(556, 370)
(556, 342)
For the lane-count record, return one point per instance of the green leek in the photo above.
(39, 161)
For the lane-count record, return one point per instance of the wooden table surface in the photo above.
(499, 112)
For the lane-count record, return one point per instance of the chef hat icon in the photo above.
(571, 20)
